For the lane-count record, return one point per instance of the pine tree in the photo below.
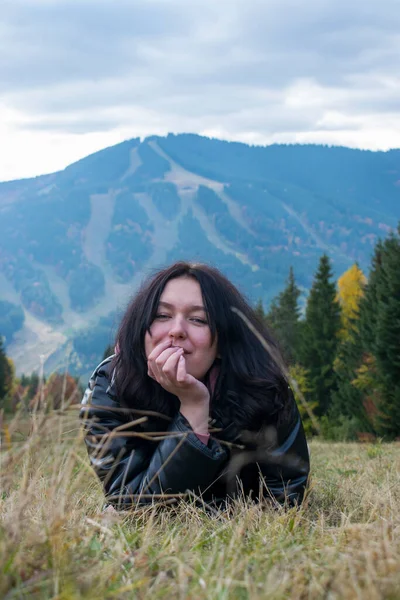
(259, 310)
(284, 319)
(320, 336)
(6, 373)
(371, 361)
(33, 385)
(364, 375)
(109, 351)
(369, 303)
(349, 399)
(386, 347)
(301, 376)
(3, 359)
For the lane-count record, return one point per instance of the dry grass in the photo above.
(56, 543)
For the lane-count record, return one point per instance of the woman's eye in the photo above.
(164, 317)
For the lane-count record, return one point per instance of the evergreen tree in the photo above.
(259, 310)
(300, 375)
(364, 375)
(284, 319)
(109, 351)
(6, 373)
(369, 303)
(349, 399)
(371, 359)
(33, 385)
(3, 359)
(386, 346)
(320, 336)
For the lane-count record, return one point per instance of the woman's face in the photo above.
(181, 318)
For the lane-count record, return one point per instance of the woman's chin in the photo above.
(197, 373)
(194, 373)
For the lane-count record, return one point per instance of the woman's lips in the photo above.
(184, 351)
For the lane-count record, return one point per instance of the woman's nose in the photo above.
(177, 328)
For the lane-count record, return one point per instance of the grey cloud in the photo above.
(255, 43)
(372, 100)
(323, 39)
(203, 64)
(50, 43)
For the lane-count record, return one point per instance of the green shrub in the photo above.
(343, 429)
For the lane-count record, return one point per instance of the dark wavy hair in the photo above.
(251, 386)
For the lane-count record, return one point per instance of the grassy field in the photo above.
(56, 543)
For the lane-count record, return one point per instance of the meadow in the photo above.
(55, 541)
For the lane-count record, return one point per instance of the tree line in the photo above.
(344, 350)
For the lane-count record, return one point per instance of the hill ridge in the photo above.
(75, 244)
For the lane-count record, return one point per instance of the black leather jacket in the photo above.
(153, 457)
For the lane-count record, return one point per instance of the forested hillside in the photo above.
(74, 245)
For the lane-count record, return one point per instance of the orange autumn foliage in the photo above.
(59, 391)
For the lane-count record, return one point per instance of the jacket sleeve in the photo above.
(280, 455)
(136, 470)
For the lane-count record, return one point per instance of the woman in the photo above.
(192, 403)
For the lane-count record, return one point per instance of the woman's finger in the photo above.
(156, 365)
(181, 370)
(169, 367)
(159, 362)
(158, 349)
(150, 371)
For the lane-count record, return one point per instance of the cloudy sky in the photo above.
(79, 75)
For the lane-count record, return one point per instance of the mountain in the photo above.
(74, 245)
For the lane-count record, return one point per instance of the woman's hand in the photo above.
(167, 365)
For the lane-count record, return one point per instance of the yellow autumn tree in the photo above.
(351, 286)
